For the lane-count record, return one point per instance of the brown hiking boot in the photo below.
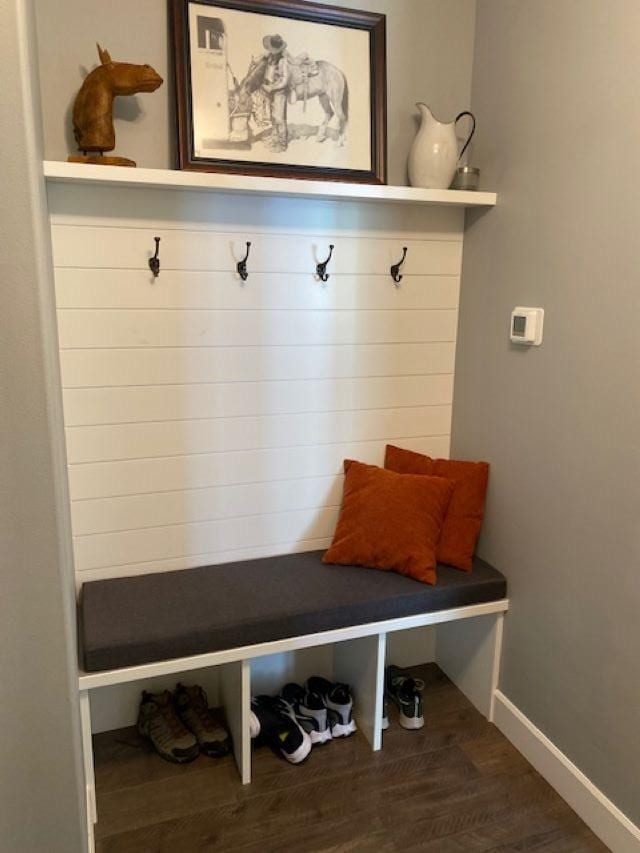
(193, 709)
(158, 721)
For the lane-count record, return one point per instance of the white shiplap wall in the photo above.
(207, 419)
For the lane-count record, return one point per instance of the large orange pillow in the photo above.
(390, 521)
(463, 520)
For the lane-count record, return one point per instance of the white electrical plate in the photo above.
(526, 326)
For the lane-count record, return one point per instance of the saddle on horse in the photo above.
(301, 67)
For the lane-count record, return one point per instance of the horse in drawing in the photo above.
(307, 79)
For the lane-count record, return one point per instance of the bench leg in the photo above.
(360, 663)
(497, 661)
(235, 687)
(89, 775)
(469, 652)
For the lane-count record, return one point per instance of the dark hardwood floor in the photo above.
(456, 785)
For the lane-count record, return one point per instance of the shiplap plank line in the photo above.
(126, 248)
(131, 328)
(211, 558)
(215, 229)
(179, 289)
(102, 406)
(166, 366)
(239, 217)
(177, 438)
(113, 479)
(109, 515)
(136, 546)
(207, 420)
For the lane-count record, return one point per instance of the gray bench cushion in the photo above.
(136, 620)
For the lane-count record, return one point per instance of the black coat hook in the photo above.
(154, 262)
(321, 268)
(242, 265)
(395, 269)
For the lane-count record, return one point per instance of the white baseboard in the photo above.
(596, 810)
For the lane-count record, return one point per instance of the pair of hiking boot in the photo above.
(303, 716)
(180, 725)
(406, 694)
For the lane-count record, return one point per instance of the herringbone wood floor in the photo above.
(456, 786)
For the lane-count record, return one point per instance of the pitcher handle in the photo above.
(473, 130)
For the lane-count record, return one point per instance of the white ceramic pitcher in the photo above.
(434, 154)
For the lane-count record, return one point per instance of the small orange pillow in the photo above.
(390, 521)
(463, 520)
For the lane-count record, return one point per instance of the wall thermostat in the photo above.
(526, 326)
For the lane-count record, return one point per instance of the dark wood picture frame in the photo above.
(373, 23)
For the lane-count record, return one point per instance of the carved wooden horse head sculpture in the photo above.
(93, 109)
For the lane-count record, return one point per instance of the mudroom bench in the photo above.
(225, 616)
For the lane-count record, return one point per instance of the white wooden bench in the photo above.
(228, 616)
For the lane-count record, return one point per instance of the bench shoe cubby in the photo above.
(465, 642)
(223, 627)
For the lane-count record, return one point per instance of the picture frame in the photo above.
(280, 88)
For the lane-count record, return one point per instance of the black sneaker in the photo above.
(193, 709)
(405, 692)
(309, 711)
(338, 701)
(272, 722)
(158, 721)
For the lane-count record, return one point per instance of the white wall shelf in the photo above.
(170, 179)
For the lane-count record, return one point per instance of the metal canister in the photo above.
(466, 178)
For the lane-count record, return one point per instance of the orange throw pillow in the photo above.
(463, 520)
(390, 521)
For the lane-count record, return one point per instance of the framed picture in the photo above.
(280, 88)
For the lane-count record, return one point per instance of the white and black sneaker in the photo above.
(338, 701)
(309, 712)
(272, 722)
(405, 692)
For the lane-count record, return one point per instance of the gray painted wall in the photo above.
(555, 89)
(430, 51)
(40, 793)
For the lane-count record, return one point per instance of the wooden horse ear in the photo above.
(105, 59)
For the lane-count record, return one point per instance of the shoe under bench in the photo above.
(229, 616)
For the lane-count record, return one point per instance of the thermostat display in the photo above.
(519, 325)
(526, 326)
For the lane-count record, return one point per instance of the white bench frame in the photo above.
(468, 650)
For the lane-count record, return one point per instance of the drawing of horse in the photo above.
(329, 85)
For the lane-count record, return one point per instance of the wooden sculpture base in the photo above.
(98, 160)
